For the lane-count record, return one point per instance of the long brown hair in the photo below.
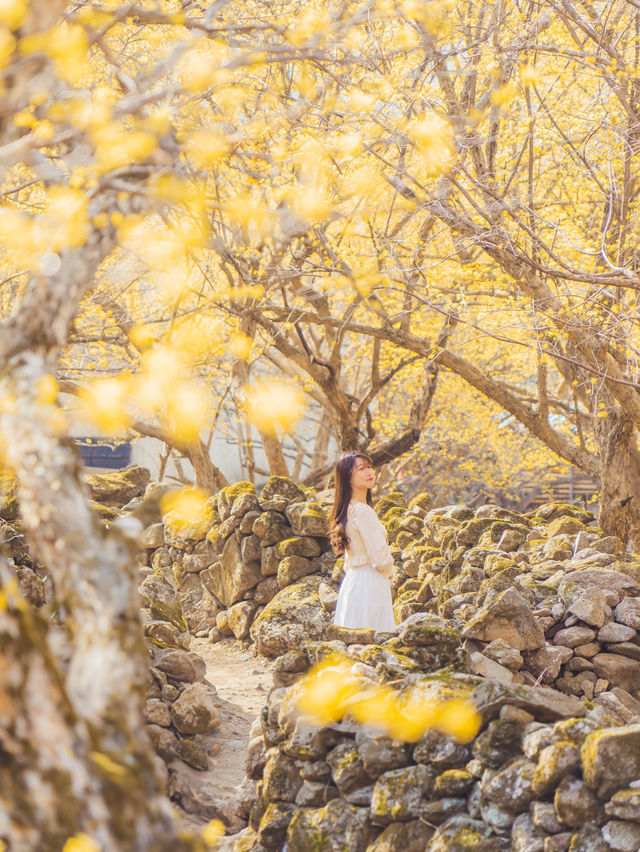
(338, 515)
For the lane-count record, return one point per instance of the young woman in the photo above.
(364, 599)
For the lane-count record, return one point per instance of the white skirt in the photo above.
(364, 600)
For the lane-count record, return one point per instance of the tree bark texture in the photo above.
(72, 735)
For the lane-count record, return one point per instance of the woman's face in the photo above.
(362, 475)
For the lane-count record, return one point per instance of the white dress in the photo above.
(364, 599)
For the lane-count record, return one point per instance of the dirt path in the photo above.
(242, 680)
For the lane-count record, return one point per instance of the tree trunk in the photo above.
(208, 476)
(620, 482)
(75, 755)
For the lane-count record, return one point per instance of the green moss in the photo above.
(238, 488)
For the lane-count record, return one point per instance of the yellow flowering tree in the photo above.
(197, 201)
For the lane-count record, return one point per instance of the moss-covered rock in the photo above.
(231, 577)
(298, 546)
(338, 827)
(271, 527)
(611, 759)
(308, 519)
(291, 618)
(389, 501)
(119, 486)
(160, 598)
(401, 794)
(278, 492)
(292, 568)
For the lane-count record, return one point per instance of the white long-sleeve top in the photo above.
(367, 540)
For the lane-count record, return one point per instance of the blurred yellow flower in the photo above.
(47, 389)
(103, 402)
(273, 404)
(240, 346)
(186, 412)
(12, 13)
(433, 139)
(326, 690)
(81, 843)
(458, 718)
(141, 336)
(205, 148)
(212, 831)
(186, 508)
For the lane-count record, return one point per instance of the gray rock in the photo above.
(293, 616)
(164, 742)
(292, 568)
(555, 762)
(571, 637)
(281, 779)
(463, 834)
(251, 548)
(510, 787)
(400, 794)
(347, 769)
(545, 818)
(504, 654)
(311, 742)
(181, 665)
(614, 632)
(510, 618)
(481, 665)
(308, 519)
(328, 597)
(591, 607)
(526, 836)
(604, 578)
(380, 753)
(618, 670)
(271, 527)
(230, 578)
(611, 759)
(153, 536)
(335, 828)
(265, 591)
(239, 618)
(298, 546)
(545, 704)
(313, 794)
(194, 711)
(622, 836)
(625, 804)
(157, 713)
(628, 612)
(413, 836)
(575, 804)
(275, 820)
(278, 492)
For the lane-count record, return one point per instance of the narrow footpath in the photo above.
(242, 680)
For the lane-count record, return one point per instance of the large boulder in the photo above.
(119, 486)
(231, 577)
(509, 618)
(294, 616)
(278, 492)
(335, 828)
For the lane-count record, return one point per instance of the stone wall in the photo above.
(222, 577)
(545, 773)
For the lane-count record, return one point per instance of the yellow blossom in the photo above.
(81, 843)
(103, 402)
(273, 405)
